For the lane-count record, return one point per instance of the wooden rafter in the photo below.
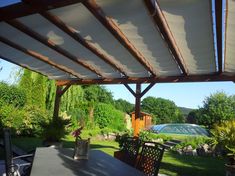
(23, 9)
(37, 56)
(72, 33)
(117, 33)
(219, 33)
(164, 29)
(21, 65)
(170, 79)
(18, 25)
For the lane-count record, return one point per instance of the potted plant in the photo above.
(225, 136)
(82, 146)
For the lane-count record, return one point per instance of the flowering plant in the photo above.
(77, 133)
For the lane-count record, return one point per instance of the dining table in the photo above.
(59, 162)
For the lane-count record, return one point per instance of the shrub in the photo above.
(149, 136)
(33, 120)
(195, 142)
(12, 95)
(107, 116)
(55, 129)
(23, 121)
(224, 133)
(121, 138)
(89, 133)
(12, 117)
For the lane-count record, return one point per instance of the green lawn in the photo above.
(172, 164)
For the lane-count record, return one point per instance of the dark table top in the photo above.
(58, 162)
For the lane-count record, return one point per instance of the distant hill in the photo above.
(185, 111)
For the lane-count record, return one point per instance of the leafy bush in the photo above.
(89, 133)
(107, 116)
(33, 120)
(224, 133)
(121, 138)
(195, 142)
(12, 95)
(12, 117)
(23, 121)
(149, 136)
(55, 129)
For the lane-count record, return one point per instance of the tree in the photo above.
(106, 116)
(26, 83)
(163, 111)
(97, 93)
(194, 116)
(123, 105)
(217, 108)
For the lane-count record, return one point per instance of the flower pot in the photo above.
(230, 170)
(81, 149)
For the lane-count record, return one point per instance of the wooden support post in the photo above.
(137, 109)
(138, 94)
(59, 93)
(57, 103)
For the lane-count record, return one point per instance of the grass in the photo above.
(172, 164)
(178, 165)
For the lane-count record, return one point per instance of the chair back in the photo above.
(8, 151)
(131, 148)
(150, 158)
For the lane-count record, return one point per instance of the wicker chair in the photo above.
(130, 150)
(150, 158)
(13, 169)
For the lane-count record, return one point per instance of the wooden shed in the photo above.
(144, 121)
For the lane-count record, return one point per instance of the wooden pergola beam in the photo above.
(72, 33)
(130, 90)
(170, 79)
(18, 25)
(117, 33)
(37, 56)
(147, 89)
(164, 29)
(219, 33)
(23, 9)
(21, 65)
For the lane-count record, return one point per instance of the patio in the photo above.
(79, 42)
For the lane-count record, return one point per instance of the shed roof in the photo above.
(119, 41)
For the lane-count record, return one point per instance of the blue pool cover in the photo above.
(179, 128)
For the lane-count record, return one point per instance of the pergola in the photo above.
(121, 42)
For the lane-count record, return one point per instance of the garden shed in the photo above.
(143, 122)
(121, 42)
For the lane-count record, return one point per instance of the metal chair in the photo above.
(130, 149)
(12, 168)
(150, 158)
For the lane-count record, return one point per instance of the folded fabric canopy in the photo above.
(119, 41)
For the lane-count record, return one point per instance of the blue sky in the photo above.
(183, 94)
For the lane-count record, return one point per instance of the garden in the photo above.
(27, 107)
